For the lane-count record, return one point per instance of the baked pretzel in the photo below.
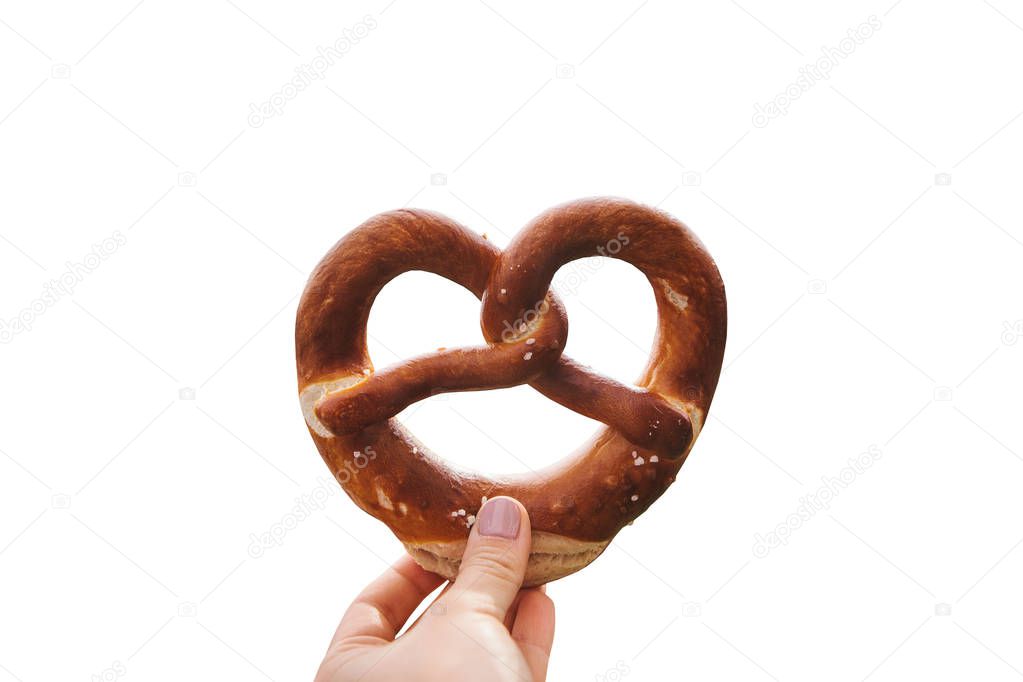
(577, 505)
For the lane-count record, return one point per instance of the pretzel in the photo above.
(577, 505)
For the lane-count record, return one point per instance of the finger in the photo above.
(383, 607)
(509, 617)
(533, 630)
(494, 562)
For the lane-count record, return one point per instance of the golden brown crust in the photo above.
(582, 500)
(552, 557)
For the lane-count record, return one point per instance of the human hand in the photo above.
(482, 626)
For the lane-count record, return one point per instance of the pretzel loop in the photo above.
(678, 382)
(577, 504)
(354, 396)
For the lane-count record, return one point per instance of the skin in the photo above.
(483, 626)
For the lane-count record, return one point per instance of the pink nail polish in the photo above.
(499, 517)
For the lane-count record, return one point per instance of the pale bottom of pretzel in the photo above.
(553, 556)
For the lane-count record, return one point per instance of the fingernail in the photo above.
(499, 517)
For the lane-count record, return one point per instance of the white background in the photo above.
(870, 240)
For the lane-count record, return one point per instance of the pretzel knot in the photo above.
(577, 505)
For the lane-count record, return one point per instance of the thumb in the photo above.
(494, 563)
